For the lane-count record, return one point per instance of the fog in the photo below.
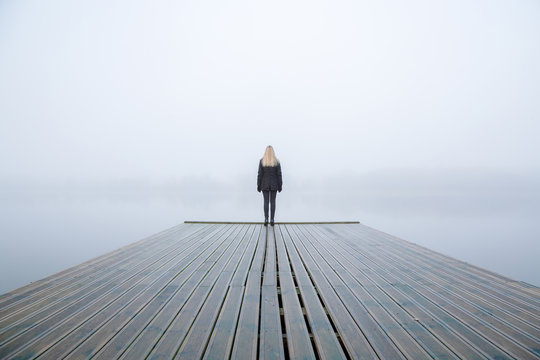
(119, 119)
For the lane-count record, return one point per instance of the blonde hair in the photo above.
(269, 157)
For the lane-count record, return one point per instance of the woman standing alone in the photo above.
(269, 182)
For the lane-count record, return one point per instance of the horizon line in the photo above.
(260, 222)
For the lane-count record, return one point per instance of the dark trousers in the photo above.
(269, 195)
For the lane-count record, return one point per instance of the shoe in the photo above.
(272, 222)
(265, 222)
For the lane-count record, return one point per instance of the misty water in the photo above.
(45, 229)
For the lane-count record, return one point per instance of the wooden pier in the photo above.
(205, 290)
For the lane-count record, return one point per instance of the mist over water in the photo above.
(483, 217)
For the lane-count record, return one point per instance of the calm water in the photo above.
(41, 235)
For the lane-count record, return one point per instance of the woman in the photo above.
(269, 182)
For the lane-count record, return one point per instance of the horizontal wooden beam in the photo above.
(280, 222)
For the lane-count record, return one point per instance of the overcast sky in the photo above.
(167, 89)
(390, 107)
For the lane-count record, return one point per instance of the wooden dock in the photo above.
(292, 291)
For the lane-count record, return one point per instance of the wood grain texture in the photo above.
(298, 290)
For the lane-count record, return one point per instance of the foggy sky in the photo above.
(158, 90)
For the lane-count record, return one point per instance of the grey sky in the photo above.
(166, 89)
(389, 112)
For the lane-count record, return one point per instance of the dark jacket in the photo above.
(269, 177)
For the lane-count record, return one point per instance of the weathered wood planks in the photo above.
(224, 290)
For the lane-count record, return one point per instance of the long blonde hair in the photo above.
(269, 157)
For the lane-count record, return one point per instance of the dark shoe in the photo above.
(265, 222)
(272, 222)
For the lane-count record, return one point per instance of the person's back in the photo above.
(269, 181)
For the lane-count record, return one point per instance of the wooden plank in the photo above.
(489, 324)
(170, 331)
(178, 330)
(90, 319)
(246, 338)
(68, 307)
(240, 277)
(159, 293)
(343, 309)
(491, 330)
(221, 341)
(271, 338)
(380, 304)
(43, 289)
(200, 332)
(222, 338)
(436, 327)
(480, 331)
(270, 265)
(491, 279)
(45, 298)
(298, 338)
(489, 303)
(158, 318)
(63, 277)
(483, 307)
(470, 346)
(59, 287)
(326, 341)
(520, 305)
(368, 313)
(196, 337)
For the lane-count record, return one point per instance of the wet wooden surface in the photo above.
(205, 290)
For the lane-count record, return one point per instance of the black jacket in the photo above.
(269, 177)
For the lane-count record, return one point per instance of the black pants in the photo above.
(269, 195)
